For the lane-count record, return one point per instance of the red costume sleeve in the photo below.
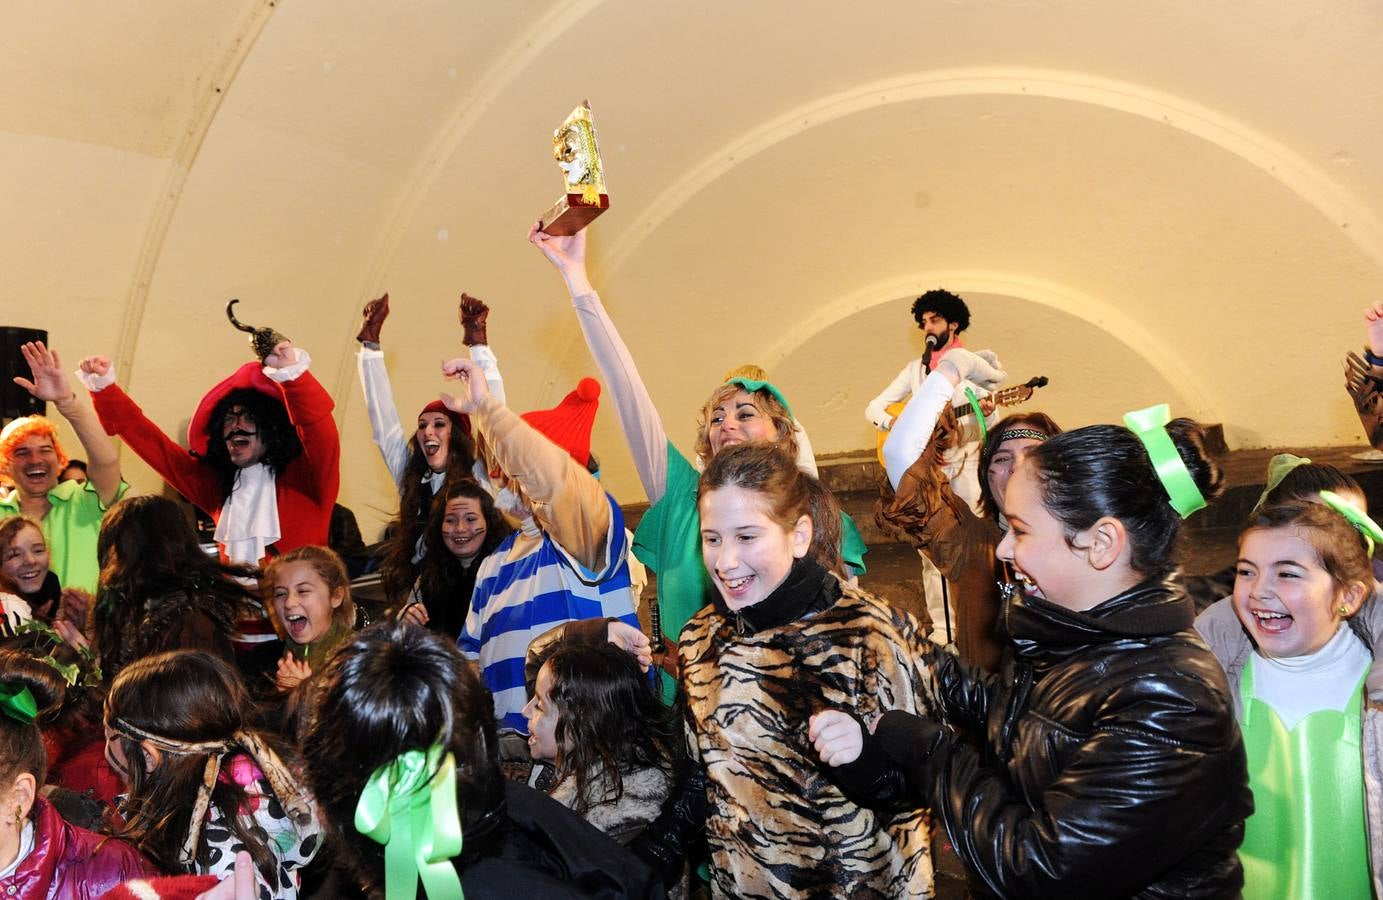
(310, 409)
(122, 418)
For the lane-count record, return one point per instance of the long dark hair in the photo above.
(194, 698)
(396, 687)
(1104, 470)
(439, 572)
(281, 442)
(148, 552)
(398, 571)
(609, 720)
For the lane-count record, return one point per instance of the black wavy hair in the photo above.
(281, 442)
(609, 720)
(398, 571)
(1104, 470)
(945, 304)
(155, 575)
(396, 687)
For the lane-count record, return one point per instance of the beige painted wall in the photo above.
(1174, 201)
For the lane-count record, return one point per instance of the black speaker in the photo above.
(14, 400)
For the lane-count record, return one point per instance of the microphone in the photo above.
(931, 341)
(927, 354)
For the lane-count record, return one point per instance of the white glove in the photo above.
(981, 369)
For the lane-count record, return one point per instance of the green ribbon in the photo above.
(1150, 425)
(979, 413)
(1279, 467)
(17, 703)
(1367, 527)
(751, 385)
(409, 805)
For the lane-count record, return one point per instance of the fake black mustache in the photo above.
(238, 433)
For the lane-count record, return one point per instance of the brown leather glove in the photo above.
(375, 312)
(473, 314)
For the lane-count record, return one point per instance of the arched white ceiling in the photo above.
(1178, 199)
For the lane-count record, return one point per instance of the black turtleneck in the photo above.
(808, 588)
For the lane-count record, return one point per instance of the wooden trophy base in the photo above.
(571, 214)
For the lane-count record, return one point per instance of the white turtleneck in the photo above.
(1297, 686)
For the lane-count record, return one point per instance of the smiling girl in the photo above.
(783, 639)
(464, 528)
(440, 448)
(1297, 663)
(614, 746)
(24, 571)
(1113, 766)
(310, 595)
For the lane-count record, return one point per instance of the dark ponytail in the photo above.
(1104, 470)
(21, 743)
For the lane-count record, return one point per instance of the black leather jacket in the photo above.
(1113, 765)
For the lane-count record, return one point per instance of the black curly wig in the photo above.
(281, 441)
(944, 304)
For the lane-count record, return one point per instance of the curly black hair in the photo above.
(281, 441)
(944, 304)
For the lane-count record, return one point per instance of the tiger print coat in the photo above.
(777, 825)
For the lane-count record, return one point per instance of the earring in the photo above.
(1343, 610)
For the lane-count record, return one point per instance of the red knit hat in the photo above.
(568, 424)
(457, 420)
(251, 375)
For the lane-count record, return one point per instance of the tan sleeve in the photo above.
(567, 502)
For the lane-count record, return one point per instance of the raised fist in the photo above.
(375, 312)
(473, 313)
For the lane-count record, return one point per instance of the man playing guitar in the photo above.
(942, 316)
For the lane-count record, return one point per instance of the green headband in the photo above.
(1150, 425)
(409, 805)
(1279, 467)
(750, 385)
(1366, 527)
(17, 703)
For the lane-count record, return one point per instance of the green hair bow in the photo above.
(18, 703)
(751, 385)
(1279, 467)
(409, 805)
(1150, 425)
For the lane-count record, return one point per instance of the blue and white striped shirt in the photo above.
(529, 585)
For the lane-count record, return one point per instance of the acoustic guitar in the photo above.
(1009, 396)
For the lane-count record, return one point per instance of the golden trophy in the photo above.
(578, 156)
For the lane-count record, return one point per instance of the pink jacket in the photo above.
(71, 862)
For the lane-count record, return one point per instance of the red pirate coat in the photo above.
(307, 487)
